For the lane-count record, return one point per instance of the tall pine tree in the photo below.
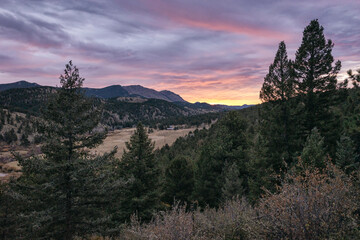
(65, 189)
(352, 110)
(226, 143)
(139, 168)
(178, 181)
(278, 84)
(277, 121)
(316, 82)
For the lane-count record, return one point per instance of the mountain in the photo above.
(107, 92)
(151, 93)
(116, 91)
(20, 84)
(118, 112)
(111, 91)
(172, 96)
(226, 107)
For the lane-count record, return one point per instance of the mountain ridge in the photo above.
(114, 91)
(110, 91)
(19, 84)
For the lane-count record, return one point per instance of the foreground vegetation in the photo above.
(287, 169)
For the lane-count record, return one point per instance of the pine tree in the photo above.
(354, 78)
(232, 182)
(277, 121)
(139, 168)
(352, 111)
(24, 140)
(346, 157)
(66, 189)
(261, 172)
(278, 84)
(226, 143)
(316, 82)
(178, 181)
(314, 152)
(9, 207)
(10, 136)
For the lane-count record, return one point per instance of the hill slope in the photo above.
(20, 84)
(118, 112)
(151, 93)
(110, 91)
(116, 91)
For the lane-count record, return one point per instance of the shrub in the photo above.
(234, 220)
(10, 136)
(310, 204)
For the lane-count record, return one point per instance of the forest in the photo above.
(284, 169)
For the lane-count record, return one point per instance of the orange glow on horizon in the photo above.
(213, 101)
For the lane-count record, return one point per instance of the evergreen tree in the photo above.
(352, 111)
(9, 206)
(10, 136)
(316, 82)
(139, 168)
(233, 184)
(261, 172)
(314, 152)
(354, 78)
(65, 191)
(277, 120)
(227, 143)
(346, 157)
(178, 181)
(24, 140)
(278, 84)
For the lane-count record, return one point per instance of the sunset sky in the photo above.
(215, 51)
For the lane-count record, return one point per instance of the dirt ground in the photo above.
(119, 137)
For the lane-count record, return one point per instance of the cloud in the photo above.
(215, 51)
(31, 30)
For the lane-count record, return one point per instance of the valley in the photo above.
(120, 137)
(9, 166)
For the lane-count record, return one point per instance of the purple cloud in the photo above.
(215, 51)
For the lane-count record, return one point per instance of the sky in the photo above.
(215, 51)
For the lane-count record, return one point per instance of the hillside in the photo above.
(137, 91)
(110, 91)
(119, 112)
(20, 84)
(151, 93)
(107, 92)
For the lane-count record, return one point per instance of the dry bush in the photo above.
(234, 220)
(11, 167)
(174, 224)
(311, 204)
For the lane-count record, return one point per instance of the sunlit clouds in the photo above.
(208, 51)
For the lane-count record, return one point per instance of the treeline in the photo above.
(309, 121)
(287, 169)
(154, 113)
(18, 128)
(117, 114)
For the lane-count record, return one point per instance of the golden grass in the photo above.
(115, 138)
(11, 167)
(119, 137)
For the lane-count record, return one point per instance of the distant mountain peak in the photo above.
(112, 91)
(151, 93)
(19, 84)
